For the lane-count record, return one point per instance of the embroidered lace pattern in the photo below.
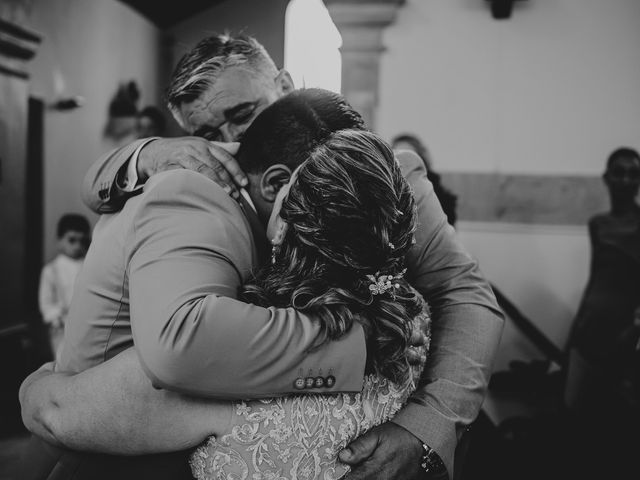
(296, 437)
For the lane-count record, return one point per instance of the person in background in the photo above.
(121, 127)
(151, 122)
(601, 390)
(59, 275)
(447, 199)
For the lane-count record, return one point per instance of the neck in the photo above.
(623, 206)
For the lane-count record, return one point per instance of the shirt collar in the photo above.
(247, 198)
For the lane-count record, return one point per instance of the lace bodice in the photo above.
(296, 437)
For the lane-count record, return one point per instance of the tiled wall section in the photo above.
(528, 199)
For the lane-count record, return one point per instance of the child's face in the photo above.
(73, 244)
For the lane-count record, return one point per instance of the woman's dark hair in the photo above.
(350, 213)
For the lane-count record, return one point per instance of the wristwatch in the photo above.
(431, 462)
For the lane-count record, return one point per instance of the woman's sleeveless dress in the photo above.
(297, 437)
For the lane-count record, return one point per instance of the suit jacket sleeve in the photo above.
(100, 190)
(466, 325)
(188, 250)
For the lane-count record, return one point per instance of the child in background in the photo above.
(58, 276)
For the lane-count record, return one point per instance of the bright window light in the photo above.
(312, 43)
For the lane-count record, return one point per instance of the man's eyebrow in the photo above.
(231, 112)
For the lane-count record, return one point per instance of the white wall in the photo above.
(88, 47)
(551, 91)
(262, 19)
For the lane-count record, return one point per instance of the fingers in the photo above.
(215, 172)
(224, 153)
(416, 357)
(418, 338)
(362, 472)
(360, 449)
(231, 147)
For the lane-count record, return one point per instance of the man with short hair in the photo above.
(224, 85)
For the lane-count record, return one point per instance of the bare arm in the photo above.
(113, 408)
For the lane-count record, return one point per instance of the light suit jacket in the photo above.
(466, 321)
(164, 272)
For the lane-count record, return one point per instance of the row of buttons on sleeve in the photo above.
(314, 382)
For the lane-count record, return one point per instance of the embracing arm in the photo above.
(113, 408)
(120, 174)
(466, 325)
(190, 249)
(102, 191)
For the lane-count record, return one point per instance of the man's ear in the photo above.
(284, 83)
(272, 181)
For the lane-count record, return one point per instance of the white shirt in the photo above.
(56, 288)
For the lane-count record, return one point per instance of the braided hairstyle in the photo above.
(350, 214)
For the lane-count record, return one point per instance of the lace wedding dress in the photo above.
(297, 437)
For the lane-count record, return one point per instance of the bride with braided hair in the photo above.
(340, 230)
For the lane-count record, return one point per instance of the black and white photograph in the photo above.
(319, 239)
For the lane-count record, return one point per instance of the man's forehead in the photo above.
(233, 87)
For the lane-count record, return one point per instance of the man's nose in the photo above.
(232, 133)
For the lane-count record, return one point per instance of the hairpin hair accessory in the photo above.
(383, 283)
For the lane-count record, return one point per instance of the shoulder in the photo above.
(182, 188)
(410, 163)
(599, 220)
(47, 270)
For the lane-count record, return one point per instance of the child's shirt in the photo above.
(56, 288)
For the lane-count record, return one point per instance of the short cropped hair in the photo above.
(287, 130)
(622, 152)
(73, 222)
(198, 70)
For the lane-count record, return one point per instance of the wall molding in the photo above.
(527, 199)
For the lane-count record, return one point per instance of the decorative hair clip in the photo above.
(382, 283)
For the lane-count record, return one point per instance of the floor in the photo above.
(521, 448)
(10, 451)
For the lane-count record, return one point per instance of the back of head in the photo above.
(73, 222)
(351, 218)
(289, 128)
(197, 70)
(620, 153)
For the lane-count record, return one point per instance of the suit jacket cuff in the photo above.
(432, 428)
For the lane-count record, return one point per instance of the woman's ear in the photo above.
(272, 181)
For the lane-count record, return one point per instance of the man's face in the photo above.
(226, 110)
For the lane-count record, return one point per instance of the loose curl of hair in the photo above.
(350, 214)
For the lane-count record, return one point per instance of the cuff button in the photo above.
(299, 383)
(309, 382)
(330, 381)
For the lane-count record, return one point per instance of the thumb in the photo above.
(360, 449)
